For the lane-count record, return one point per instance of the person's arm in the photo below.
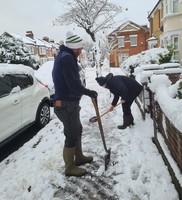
(72, 77)
(115, 100)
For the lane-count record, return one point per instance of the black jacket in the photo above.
(122, 86)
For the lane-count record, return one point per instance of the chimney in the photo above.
(51, 40)
(30, 34)
(46, 39)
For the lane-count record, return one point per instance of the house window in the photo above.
(166, 7)
(175, 43)
(175, 6)
(32, 51)
(42, 50)
(165, 42)
(133, 40)
(123, 57)
(121, 41)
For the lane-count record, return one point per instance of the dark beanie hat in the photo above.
(101, 80)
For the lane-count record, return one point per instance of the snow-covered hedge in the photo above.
(15, 51)
(150, 56)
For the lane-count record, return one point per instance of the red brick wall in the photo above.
(142, 36)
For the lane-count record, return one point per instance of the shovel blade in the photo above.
(93, 119)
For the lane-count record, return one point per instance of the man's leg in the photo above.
(79, 157)
(127, 116)
(69, 115)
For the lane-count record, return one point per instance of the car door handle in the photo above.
(16, 101)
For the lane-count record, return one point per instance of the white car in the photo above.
(23, 100)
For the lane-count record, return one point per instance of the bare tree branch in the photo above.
(91, 15)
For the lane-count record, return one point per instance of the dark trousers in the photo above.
(127, 108)
(69, 114)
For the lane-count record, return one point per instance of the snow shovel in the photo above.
(94, 119)
(108, 151)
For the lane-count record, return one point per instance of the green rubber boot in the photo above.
(70, 168)
(80, 159)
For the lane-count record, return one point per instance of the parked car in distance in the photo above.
(24, 100)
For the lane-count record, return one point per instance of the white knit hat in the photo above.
(73, 41)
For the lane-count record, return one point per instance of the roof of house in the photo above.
(28, 40)
(154, 8)
(25, 39)
(129, 23)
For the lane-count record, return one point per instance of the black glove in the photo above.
(92, 93)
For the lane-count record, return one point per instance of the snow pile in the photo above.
(12, 68)
(44, 73)
(165, 94)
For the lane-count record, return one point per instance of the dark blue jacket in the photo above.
(66, 77)
(122, 86)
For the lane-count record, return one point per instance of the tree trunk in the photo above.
(92, 35)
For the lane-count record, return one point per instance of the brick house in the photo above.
(128, 39)
(42, 48)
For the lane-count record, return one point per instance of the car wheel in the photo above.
(43, 115)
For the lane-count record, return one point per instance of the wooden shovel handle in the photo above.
(109, 111)
(94, 101)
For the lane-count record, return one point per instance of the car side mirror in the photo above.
(15, 90)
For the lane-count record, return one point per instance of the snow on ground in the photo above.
(136, 170)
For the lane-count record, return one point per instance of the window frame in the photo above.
(42, 50)
(133, 37)
(122, 41)
(166, 7)
(176, 47)
(175, 8)
(31, 49)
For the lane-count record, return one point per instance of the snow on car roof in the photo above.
(15, 69)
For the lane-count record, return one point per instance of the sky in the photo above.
(136, 170)
(19, 16)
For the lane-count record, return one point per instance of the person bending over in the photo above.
(125, 88)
